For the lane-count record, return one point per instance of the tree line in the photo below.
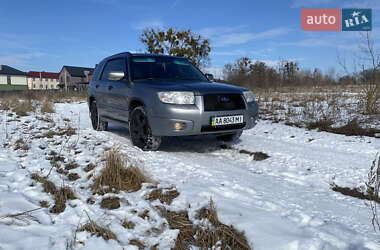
(249, 73)
(245, 71)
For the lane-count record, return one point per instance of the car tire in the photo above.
(140, 131)
(230, 137)
(96, 121)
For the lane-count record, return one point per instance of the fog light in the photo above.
(178, 126)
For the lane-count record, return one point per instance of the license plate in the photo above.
(226, 120)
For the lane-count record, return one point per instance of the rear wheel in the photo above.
(140, 131)
(96, 121)
(230, 137)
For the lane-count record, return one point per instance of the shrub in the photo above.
(47, 107)
(22, 108)
(115, 176)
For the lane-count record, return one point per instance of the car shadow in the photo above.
(194, 144)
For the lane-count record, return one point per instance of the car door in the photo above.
(115, 90)
(99, 88)
(119, 91)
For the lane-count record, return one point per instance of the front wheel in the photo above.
(140, 131)
(230, 137)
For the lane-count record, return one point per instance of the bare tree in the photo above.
(370, 76)
(373, 189)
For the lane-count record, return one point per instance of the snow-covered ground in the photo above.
(337, 105)
(283, 202)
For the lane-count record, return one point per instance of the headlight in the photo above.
(177, 97)
(248, 95)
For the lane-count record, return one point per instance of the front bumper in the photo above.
(195, 121)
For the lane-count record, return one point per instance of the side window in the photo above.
(114, 65)
(97, 70)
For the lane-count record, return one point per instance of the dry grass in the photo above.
(52, 96)
(144, 214)
(219, 234)
(71, 165)
(128, 224)
(67, 130)
(321, 125)
(98, 231)
(323, 108)
(352, 128)
(5, 105)
(48, 186)
(21, 144)
(89, 167)
(73, 176)
(354, 192)
(55, 160)
(115, 176)
(60, 131)
(209, 234)
(180, 221)
(60, 198)
(60, 195)
(22, 108)
(44, 204)
(8, 102)
(21, 218)
(165, 197)
(45, 119)
(47, 107)
(137, 243)
(110, 203)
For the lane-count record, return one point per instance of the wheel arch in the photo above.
(91, 99)
(134, 103)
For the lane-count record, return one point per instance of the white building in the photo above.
(43, 80)
(12, 79)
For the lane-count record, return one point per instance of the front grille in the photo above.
(221, 128)
(220, 102)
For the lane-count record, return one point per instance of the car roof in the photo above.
(141, 54)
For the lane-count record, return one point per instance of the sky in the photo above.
(44, 35)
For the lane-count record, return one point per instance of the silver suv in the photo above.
(157, 95)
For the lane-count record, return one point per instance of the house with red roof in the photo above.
(42, 80)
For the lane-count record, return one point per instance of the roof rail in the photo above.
(129, 53)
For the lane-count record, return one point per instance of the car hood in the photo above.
(199, 88)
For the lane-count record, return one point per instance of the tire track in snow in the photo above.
(285, 200)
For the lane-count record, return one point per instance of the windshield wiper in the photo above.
(184, 78)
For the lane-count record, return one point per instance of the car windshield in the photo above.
(160, 67)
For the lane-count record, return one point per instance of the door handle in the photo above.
(110, 87)
(96, 86)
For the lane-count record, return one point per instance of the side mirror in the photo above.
(116, 75)
(210, 77)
